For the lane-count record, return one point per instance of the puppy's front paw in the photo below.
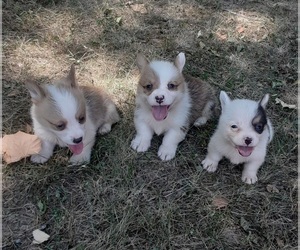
(139, 144)
(200, 121)
(249, 178)
(80, 159)
(166, 153)
(104, 129)
(39, 158)
(209, 165)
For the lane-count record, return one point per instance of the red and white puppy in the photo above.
(69, 115)
(168, 103)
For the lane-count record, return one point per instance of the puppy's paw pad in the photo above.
(166, 154)
(38, 159)
(249, 178)
(104, 129)
(200, 121)
(209, 165)
(140, 145)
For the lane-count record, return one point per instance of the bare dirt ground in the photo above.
(125, 200)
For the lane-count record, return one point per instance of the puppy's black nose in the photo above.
(159, 99)
(77, 140)
(248, 140)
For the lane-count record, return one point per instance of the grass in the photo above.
(126, 200)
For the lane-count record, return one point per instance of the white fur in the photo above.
(146, 126)
(171, 127)
(67, 105)
(224, 141)
(64, 104)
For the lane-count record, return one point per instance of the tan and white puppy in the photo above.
(69, 115)
(242, 136)
(168, 103)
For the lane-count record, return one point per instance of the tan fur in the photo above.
(169, 107)
(148, 77)
(99, 103)
(94, 111)
(201, 94)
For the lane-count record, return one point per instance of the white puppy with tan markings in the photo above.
(242, 136)
(168, 103)
(69, 115)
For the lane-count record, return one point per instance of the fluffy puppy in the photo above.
(69, 115)
(168, 103)
(242, 136)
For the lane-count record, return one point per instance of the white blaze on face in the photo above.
(237, 118)
(162, 98)
(68, 106)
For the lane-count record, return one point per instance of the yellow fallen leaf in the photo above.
(19, 145)
(39, 236)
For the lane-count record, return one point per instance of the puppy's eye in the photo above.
(234, 126)
(171, 86)
(81, 119)
(148, 86)
(60, 126)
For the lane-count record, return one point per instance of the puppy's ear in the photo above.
(37, 92)
(141, 61)
(224, 99)
(71, 79)
(180, 61)
(264, 101)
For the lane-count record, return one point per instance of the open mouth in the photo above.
(245, 150)
(77, 148)
(160, 112)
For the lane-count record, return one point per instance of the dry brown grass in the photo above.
(125, 200)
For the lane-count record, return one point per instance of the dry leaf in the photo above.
(19, 145)
(280, 242)
(240, 29)
(14, 93)
(28, 128)
(284, 105)
(219, 202)
(221, 36)
(245, 224)
(202, 45)
(272, 189)
(139, 8)
(39, 236)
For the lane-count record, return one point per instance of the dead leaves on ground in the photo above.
(19, 145)
(39, 236)
(285, 105)
(219, 202)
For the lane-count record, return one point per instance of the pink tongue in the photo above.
(76, 149)
(160, 112)
(245, 151)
